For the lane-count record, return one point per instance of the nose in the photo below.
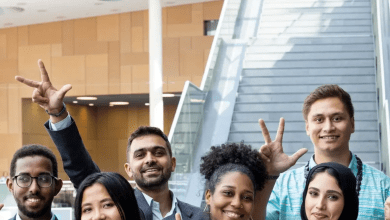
(321, 203)
(98, 215)
(34, 187)
(150, 158)
(328, 125)
(236, 202)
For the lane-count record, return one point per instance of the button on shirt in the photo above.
(156, 207)
(286, 197)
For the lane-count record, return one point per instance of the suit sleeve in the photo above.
(77, 162)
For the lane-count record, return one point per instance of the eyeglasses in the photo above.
(43, 180)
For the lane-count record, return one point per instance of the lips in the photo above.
(319, 215)
(232, 215)
(150, 169)
(329, 137)
(33, 200)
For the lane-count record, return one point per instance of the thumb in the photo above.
(64, 90)
(294, 158)
(177, 216)
(1, 206)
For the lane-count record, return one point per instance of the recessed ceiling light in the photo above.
(168, 95)
(119, 103)
(197, 101)
(86, 98)
(75, 102)
(147, 104)
(42, 10)
(91, 104)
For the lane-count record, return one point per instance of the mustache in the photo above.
(152, 166)
(34, 196)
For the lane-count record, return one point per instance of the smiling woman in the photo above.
(328, 188)
(233, 172)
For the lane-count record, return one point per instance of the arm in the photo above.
(276, 162)
(77, 161)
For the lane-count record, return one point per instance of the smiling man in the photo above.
(329, 119)
(34, 182)
(149, 155)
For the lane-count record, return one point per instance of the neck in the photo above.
(343, 157)
(162, 196)
(46, 216)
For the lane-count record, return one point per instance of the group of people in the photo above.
(241, 183)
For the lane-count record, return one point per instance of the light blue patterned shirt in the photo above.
(286, 197)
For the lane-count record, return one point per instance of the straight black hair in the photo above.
(119, 189)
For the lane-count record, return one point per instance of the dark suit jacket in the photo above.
(78, 165)
(14, 218)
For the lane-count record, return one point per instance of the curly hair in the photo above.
(233, 157)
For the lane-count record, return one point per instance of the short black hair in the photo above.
(31, 151)
(119, 189)
(144, 131)
(233, 157)
(328, 91)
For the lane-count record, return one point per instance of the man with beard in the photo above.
(34, 182)
(149, 155)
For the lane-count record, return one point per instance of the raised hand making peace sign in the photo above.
(272, 151)
(44, 93)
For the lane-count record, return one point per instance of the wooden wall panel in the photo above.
(3, 46)
(48, 33)
(125, 32)
(97, 74)
(180, 14)
(98, 55)
(108, 28)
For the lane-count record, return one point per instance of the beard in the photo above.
(155, 183)
(34, 214)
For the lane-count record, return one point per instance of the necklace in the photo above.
(359, 175)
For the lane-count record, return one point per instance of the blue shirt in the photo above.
(286, 197)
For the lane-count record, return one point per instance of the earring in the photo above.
(206, 209)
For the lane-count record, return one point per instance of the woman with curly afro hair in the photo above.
(233, 173)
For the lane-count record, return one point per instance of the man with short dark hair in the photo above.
(329, 119)
(34, 182)
(149, 155)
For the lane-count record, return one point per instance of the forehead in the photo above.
(328, 106)
(33, 164)
(147, 142)
(96, 192)
(237, 180)
(324, 181)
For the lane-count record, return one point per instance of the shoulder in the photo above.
(295, 175)
(370, 171)
(185, 206)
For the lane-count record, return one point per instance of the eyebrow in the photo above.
(232, 187)
(336, 113)
(25, 173)
(150, 149)
(328, 191)
(102, 201)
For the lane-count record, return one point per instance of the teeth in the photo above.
(33, 200)
(232, 214)
(329, 137)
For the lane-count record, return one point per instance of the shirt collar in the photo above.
(149, 199)
(352, 164)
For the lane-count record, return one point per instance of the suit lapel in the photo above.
(143, 205)
(186, 212)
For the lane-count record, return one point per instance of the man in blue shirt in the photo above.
(329, 118)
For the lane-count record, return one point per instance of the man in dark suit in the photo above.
(34, 182)
(149, 155)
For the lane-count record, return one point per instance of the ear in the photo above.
(10, 185)
(128, 170)
(353, 124)
(173, 161)
(207, 196)
(307, 128)
(58, 185)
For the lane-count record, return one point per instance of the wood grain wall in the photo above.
(97, 55)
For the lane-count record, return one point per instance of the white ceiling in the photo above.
(25, 12)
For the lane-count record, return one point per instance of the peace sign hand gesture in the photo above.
(272, 151)
(44, 93)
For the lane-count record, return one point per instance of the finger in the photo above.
(264, 131)
(279, 134)
(177, 216)
(64, 90)
(1, 206)
(294, 158)
(38, 98)
(44, 75)
(265, 153)
(28, 82)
